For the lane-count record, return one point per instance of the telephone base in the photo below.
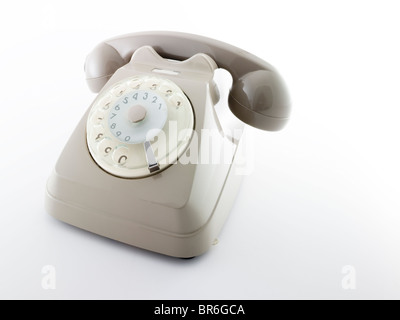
(178, 245)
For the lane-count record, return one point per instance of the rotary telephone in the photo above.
(131, 170)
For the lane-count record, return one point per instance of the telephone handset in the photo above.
(258, 96)
(134, 169)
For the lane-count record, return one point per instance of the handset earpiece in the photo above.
(260, 99)
(258, 96)
(101, 64)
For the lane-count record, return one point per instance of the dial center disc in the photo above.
(136, 113)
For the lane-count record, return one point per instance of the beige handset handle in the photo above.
(258, 95)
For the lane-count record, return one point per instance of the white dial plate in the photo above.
(137, 111)
(121, 125)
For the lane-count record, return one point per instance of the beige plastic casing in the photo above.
(178, 212)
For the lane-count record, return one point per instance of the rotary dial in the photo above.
(132, 127)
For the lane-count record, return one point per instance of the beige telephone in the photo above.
(134, 169)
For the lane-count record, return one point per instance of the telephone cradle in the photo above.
(139, 167)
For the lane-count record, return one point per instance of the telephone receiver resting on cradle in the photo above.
(258, 96)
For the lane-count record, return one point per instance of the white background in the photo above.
(325, 192)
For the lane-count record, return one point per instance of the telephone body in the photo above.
(125, 172)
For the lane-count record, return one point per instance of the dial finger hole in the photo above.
(106, 146)
(97, 133)
(176, 100)
(120, 155)
(135, 83)
(98, 116)
(105, 102)
(118, 90)
(153, 83)
(166, 89)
